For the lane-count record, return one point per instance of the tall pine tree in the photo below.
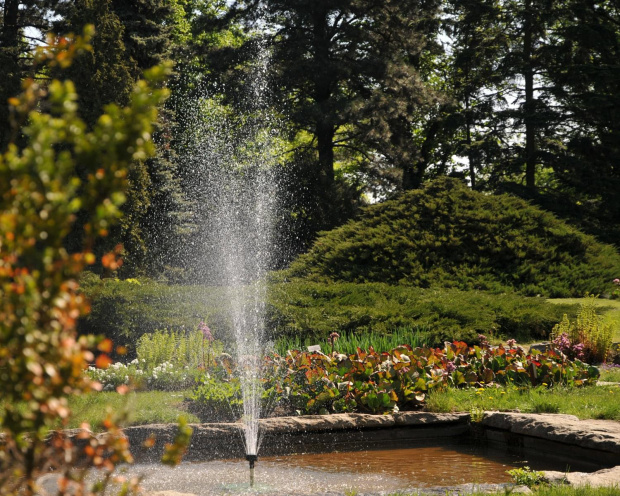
(22, 25)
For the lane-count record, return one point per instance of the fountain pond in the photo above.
(341, 454)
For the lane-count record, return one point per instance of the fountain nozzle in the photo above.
(251, 459)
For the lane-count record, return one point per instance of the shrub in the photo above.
(124, 311)
(165, 361)
(526, 476)
(312, 310)
(587, 337)
(65, 176)
(217, 400)
(165, 376)
(446, 235)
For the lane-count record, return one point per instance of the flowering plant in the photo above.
(166, 376)
(616, 291)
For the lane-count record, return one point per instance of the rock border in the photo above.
(596, 441)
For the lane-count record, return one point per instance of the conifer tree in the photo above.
(345, 70)
(16, 44)
(130, 37)
(585, 73)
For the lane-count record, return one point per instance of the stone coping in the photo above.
(602, 435)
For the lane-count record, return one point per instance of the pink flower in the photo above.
(206, 332)
(617, 281)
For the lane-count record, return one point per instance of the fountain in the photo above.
(236, 192)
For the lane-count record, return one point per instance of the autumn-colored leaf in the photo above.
(103, 361)
(105, 346)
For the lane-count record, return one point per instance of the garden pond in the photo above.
(426, 465)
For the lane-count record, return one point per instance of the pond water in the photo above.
(364, 471)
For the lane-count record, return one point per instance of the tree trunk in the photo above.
(10, 31)
(414, 173)
(471, 155)
(10, 73)
(324, 128)
(529, 107)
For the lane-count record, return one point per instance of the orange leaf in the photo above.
(103, 361)
(150, 442)
(105, 346)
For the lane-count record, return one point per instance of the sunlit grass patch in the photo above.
(148, 407)
(610, 373)
(595, 402)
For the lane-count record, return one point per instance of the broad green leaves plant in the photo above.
(385, 382)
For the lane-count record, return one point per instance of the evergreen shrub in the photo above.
(126, 310)
(313, 310)
(446, 235)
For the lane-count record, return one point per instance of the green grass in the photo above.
(546, 491)
(149, 407)
(609, 310)
(166, 407)
(610, 375)
(595, 402)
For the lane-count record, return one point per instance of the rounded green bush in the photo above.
(446, 235)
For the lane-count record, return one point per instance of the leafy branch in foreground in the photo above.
(62, 170)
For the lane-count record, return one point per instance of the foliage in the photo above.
(124, 311)
(348, 342)
(174, 347)
(446, 235)
(166, 360)
(41, 359)
(587, 337)
(400, 378)
(526, 476)
(18, 22)
(355, 63)
(216, 399)
(165, 376)
(311, 310)
(596, 402)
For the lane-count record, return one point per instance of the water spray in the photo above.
(252, 459)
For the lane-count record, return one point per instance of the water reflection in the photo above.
(366, 471)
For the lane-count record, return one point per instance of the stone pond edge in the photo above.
(600, 435)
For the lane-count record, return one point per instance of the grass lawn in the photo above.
(594, 402)
(550, 491)
(608, 309)
(610, 374)
(165, 407)
(150, 407)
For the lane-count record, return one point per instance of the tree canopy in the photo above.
(371, 98)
